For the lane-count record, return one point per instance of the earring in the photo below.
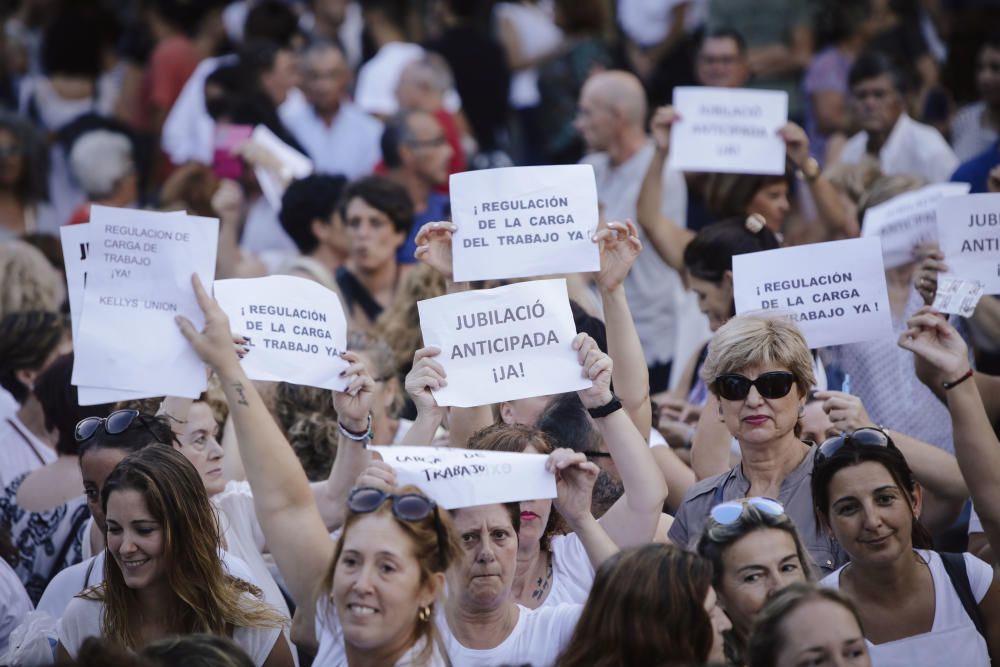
(802, 410)
(424, 614)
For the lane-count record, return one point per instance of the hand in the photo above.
(846, 411)
(660, 125)
(575, 478)
(427, 374)
(213, 344)
(434, 246)
(931, 339)
(379, 475)
(258, 156)
(796, 143)
(676, 433)
(618, 245)
(925, 278)
(993, 180)
(596, 366)
(227, 202)
(355, 404)
(667, 406)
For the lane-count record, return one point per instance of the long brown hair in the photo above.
(206, 599)
(646, 608)
(435, 547)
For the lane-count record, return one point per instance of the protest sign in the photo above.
(957, 297)
(290, 164)
(75, 245)
(138, 281)
(504, 343)
(835, 292)
(296, 328)
(908, 221)
(728, 130)
(969, 236)
(524, 221)
(456, 478)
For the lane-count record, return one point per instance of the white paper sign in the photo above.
(503, 344)
(138, 280)
(457, 478)
(296, 164)
(835, 292)
(908, 221)
(524, 221)
(296, 329)
(75, 245)
(728, 130)
(969, 235)
(958, 297)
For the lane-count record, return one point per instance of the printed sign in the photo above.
(457, 478)
(728, 130)
(835, 292)
(908, 221)
(504, 343)
(524, 221)
(296, 328)
(138, 281)
(969, 236)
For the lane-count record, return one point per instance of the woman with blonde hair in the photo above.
(164, 576)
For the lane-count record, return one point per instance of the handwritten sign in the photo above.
(138, 281)
(908, 221)
(835, 292)
(457, 478)
(969, 235)
(296, 328)
(524, 221)
(503, 344)
(728, 130)
(76, 246)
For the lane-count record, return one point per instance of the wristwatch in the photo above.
(810, 170)
(603, 411)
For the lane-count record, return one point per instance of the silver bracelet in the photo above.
(357, 437)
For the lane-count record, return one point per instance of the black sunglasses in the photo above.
(736, 387)
(406, 507)
(114, 424)
(863, 437)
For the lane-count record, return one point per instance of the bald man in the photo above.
(611, 118)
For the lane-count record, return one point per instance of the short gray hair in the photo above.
(99, 160)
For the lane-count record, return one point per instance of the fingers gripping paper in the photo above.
(969, 233)
(524, 221)
(457, 478)
(296, 329)
(503, 344)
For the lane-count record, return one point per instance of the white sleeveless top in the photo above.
(953, 639)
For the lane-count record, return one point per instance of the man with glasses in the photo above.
(901, 145)
(722, 60)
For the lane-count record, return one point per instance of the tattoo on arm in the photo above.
(239, 390)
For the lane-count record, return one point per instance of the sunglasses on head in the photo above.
(736, 387)
(114, 424)
(730, 512)
(863, 437)
(406, 506)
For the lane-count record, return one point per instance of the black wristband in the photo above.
(603, 411)
(949, 385)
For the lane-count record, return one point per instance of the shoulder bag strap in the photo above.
(954, 565)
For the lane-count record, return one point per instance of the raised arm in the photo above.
(283, 500)
(425, 375)
(633, 519)
(710, 447)
(667, 237)
(619, 246)
(930, 337)
(575, 477)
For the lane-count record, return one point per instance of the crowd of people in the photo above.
(725, 495)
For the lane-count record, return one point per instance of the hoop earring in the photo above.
(424, 614)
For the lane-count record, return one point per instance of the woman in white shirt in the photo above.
(910, 599)
(163, 576)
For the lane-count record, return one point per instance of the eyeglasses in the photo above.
(596, 454)
(114, 424)
(406, 507)
(863, 437)
(736, 387)
(730, 512)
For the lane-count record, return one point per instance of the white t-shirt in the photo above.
(350, 145)
(83, 619)
(20, 451)
(14, 603)
(331, 644)
(912, 149)
(953, 639)
(378, 78)
(572, 572)
(538, 638)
